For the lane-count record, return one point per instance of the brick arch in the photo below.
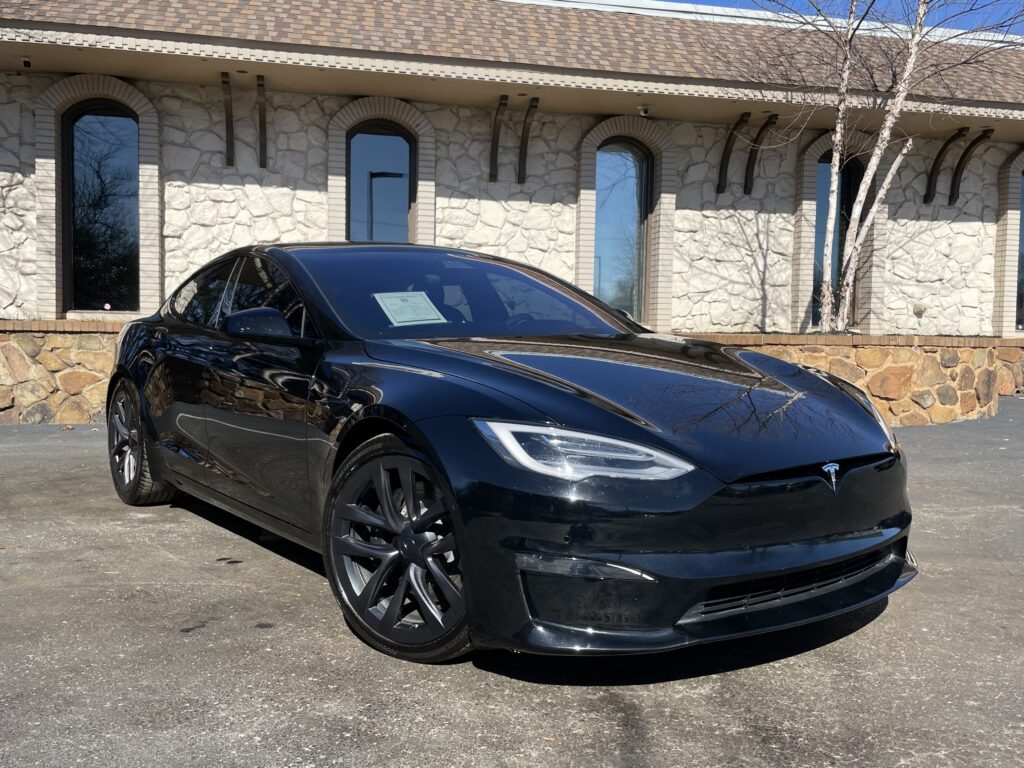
(1008, 245)
(658, 265)
(868, 312)
(412, 120)
(49, 109)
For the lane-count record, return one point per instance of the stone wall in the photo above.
(58, 371)
(17, 193)
(58, 378)
(940, 265)
(732, 252)
(533, 222)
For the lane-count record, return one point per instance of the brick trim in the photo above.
(870, 272)
(49, 108)
(61, 326)
(665, 183)
(1008, 245)
(414, 121)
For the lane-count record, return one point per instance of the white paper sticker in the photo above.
(409, 308)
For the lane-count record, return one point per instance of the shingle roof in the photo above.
(590, 41)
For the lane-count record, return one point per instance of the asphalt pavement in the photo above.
(179, 635)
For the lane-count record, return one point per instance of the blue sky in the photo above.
(1002, 8)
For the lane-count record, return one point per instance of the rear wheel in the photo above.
(129, 456)
(391, 555)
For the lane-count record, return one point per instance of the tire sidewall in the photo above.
(452, 643)
(127, 492)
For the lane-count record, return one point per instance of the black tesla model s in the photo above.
(487, 456)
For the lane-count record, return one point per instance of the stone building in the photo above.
(650, 154)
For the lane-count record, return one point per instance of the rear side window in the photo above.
(261, 283)
(197, 300)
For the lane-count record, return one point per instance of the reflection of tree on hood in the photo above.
(105, 226)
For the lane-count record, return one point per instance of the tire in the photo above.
(377, 552)
(128, 452)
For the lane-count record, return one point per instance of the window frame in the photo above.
(646, 206)
(382, 127)
(94, 106)
(308, 322)
(201, 273)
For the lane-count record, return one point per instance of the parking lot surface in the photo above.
(179, 635)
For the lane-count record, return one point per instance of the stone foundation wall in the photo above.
(58, 378)
(57, 371)
(913, 386)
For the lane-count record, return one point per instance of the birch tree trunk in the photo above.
(854, 242)
(827, 293)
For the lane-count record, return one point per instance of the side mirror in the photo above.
(259, 321)
(624, 314)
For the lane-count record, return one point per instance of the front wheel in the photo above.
(128, 453)
(391, 556)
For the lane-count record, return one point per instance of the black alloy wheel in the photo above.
(391, 554)
(129, 456)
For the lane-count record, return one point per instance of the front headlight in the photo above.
(577, 455)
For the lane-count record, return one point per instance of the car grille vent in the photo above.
(815, 470)
(778, 590)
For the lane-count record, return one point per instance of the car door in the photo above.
(175, 385)
(256, 399)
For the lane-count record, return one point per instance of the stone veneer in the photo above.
(732, 254)
(57, 371)
(54, 377)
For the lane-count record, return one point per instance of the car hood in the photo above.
(736, 413)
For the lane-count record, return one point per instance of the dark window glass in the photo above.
(850, 174)
(101, 207)
(198, 300)
(623, 181)
(261, 283)
(382, 293)
(1020, 270)
(380, 183)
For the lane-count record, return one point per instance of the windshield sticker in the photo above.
(409, 308)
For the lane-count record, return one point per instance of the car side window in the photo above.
(261, 283)
(198, 300)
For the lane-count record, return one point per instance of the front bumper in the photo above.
(693, 560)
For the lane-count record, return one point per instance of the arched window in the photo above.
(851, 172)
(381, 182)
(100, 199)
(623, 192)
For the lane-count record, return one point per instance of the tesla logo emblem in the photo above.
(831, 469)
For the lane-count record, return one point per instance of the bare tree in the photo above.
(877, 55)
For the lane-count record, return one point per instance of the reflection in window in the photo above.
(262, 284)
(850, 174)
(101, 207)
(198, 300)
(380, 182)
(623, 184)
(1019, 317)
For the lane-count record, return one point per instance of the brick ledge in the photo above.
(61, 326)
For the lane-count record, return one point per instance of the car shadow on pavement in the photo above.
(297, 553)
(697, 661)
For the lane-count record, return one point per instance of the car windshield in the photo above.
(404, 293)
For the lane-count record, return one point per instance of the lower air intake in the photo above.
(774, 591)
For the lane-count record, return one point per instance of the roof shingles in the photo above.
(590, 41)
